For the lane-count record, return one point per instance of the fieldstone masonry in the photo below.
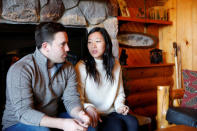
(20, 10)
(88, 13)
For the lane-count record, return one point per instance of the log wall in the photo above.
(141, 78)
(141, 86)
(183, 14)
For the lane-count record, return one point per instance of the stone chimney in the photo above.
(85, 13)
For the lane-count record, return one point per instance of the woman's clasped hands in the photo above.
(92, 112)
(123, 110)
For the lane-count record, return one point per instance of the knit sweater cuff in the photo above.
(72, 106)
(88, 104)
(33, 117)
(118, 106)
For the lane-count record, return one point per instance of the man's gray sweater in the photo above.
(30, 93)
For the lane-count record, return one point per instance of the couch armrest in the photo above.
(176, 94)
(162, 106)
(165, 97)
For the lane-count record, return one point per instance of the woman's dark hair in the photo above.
(108, 58)
(45, 32)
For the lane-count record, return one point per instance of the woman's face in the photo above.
(96, 45)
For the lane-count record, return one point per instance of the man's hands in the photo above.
(62, 123)
(91, 111)
(123, 110)
(84, 119)
(73, 125)
(81, 116)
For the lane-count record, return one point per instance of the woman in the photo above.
(101, 85)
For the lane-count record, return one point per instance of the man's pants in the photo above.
(24, 127)
(111, 122)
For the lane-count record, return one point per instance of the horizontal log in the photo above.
(142, 99)
(130, 73)
(138, 85)
(136, 89)
(149, 111)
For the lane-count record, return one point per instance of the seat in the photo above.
(167, 113)
(182, 116)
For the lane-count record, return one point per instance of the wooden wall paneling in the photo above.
(168, 34)
(184, 31)
(135, 3)
(150, 3)
(140, 3)
(194, 34)
(135, 56)
(131, 26)
(139, 56)
(183, 13)
(153, 29)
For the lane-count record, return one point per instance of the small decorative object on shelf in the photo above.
(158, 13)
(123, 57)
(137, 40)
(156, 56)
(123, 8)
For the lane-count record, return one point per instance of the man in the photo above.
(37, 83)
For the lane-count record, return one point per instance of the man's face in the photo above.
(57, 50)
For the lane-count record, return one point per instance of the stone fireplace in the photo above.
(18, 19)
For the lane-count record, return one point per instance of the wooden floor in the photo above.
(178, 128)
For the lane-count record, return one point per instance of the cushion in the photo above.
(190, 84)
(182, 116)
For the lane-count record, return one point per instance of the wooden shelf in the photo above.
(148, 21)
(148, 66)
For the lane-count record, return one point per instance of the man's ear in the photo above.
(45, 46)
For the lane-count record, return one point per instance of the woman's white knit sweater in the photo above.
(107, 97)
